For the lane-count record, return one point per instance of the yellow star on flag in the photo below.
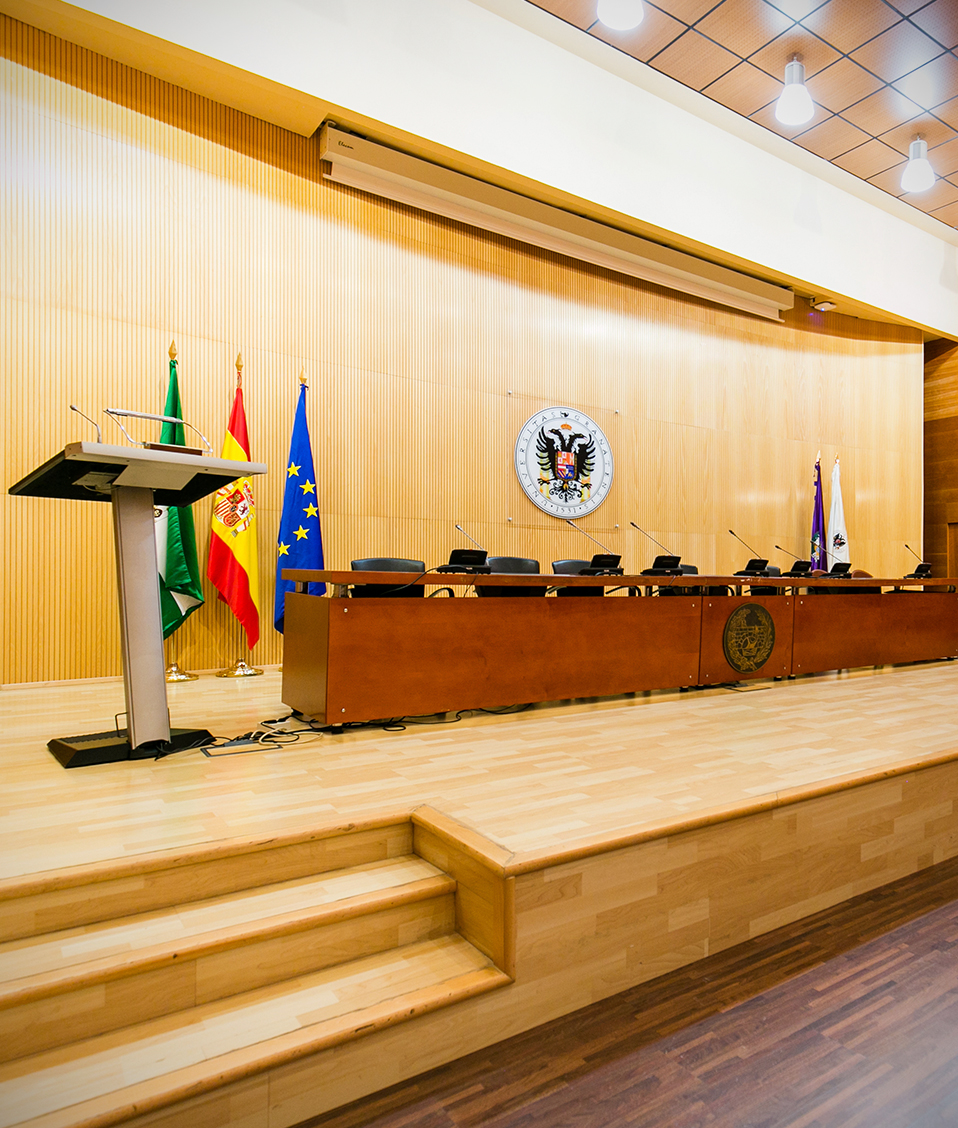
(302, 533)
(284, 550)
(292, 471)
(307, 487)
(311, 510)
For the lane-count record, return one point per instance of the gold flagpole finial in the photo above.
(172, 350)
(302, 375)
(239, 370)
(818, 457)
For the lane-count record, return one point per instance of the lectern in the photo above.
(133, 479)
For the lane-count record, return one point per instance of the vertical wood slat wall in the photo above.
(941, 456)
(134, 212)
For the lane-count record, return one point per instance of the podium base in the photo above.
(109, 748)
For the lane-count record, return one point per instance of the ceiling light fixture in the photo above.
(620, 15)
(794, 105)
(823, 305)
(918, 175)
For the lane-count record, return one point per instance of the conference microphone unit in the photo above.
(922, 572)
(757, 565)
(604, 563)
(668, 565)
(470, 560)
(799, 567)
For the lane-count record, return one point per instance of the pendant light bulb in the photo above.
(620, 15)
(794, 105)
(918, 175)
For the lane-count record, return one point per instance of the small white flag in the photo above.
(837, 533)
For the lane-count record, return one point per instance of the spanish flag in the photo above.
(232, 566)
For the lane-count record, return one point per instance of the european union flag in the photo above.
(300, 542)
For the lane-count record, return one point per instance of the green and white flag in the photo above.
(180, 589)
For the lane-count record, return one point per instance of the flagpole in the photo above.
(240, 668)
(174, 673)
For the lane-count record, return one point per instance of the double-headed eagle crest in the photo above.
(566, 461)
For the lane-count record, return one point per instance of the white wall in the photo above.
(461, 74)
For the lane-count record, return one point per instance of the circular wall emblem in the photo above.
(564, 462)
(748, 638)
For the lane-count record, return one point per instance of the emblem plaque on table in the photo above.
(564, 462)
(748, 638)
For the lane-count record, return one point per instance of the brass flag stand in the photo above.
(175, 672)
(240, 668)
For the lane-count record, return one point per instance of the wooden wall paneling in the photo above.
(142, 213)
(940, 453)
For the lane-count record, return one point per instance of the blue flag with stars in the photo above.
(300, 542)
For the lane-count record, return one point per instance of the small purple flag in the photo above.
(819, 555)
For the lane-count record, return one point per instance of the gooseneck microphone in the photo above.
(99, 433)
(569, 521)
(667, 551)
(920, 559)
(785, 550)
(740, 541)
(469, 538)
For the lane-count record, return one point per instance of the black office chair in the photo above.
(772, 570)
(387, 564)
(518, 565)
(686, 570)
(573, 568)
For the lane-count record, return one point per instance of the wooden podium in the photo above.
(133, 479)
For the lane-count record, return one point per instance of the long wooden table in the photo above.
(369, 659)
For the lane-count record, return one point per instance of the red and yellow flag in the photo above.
(232, 566)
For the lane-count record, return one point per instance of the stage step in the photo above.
(74, 984)
(116, 1076)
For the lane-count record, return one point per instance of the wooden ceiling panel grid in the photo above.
(897, 52)
(880, 72)
(940, 21)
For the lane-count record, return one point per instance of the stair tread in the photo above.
(134, 937)
(148, 1063)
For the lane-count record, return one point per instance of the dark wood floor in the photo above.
(847, 1018)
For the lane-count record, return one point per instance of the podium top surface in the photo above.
(87, 471)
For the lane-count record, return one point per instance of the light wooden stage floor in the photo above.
(542, 783)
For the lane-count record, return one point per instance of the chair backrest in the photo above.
(573, 568)
(519, 565)
(387, 564)
(773, 570)
(861, 574)
(686, 570)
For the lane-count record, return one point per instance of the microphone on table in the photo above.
(923, 571)
(757, 564)
(471, 560)
(469, 538)
(671, 569)
(740, 541)
(799, 566)
(667, 551)
(603, 563)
